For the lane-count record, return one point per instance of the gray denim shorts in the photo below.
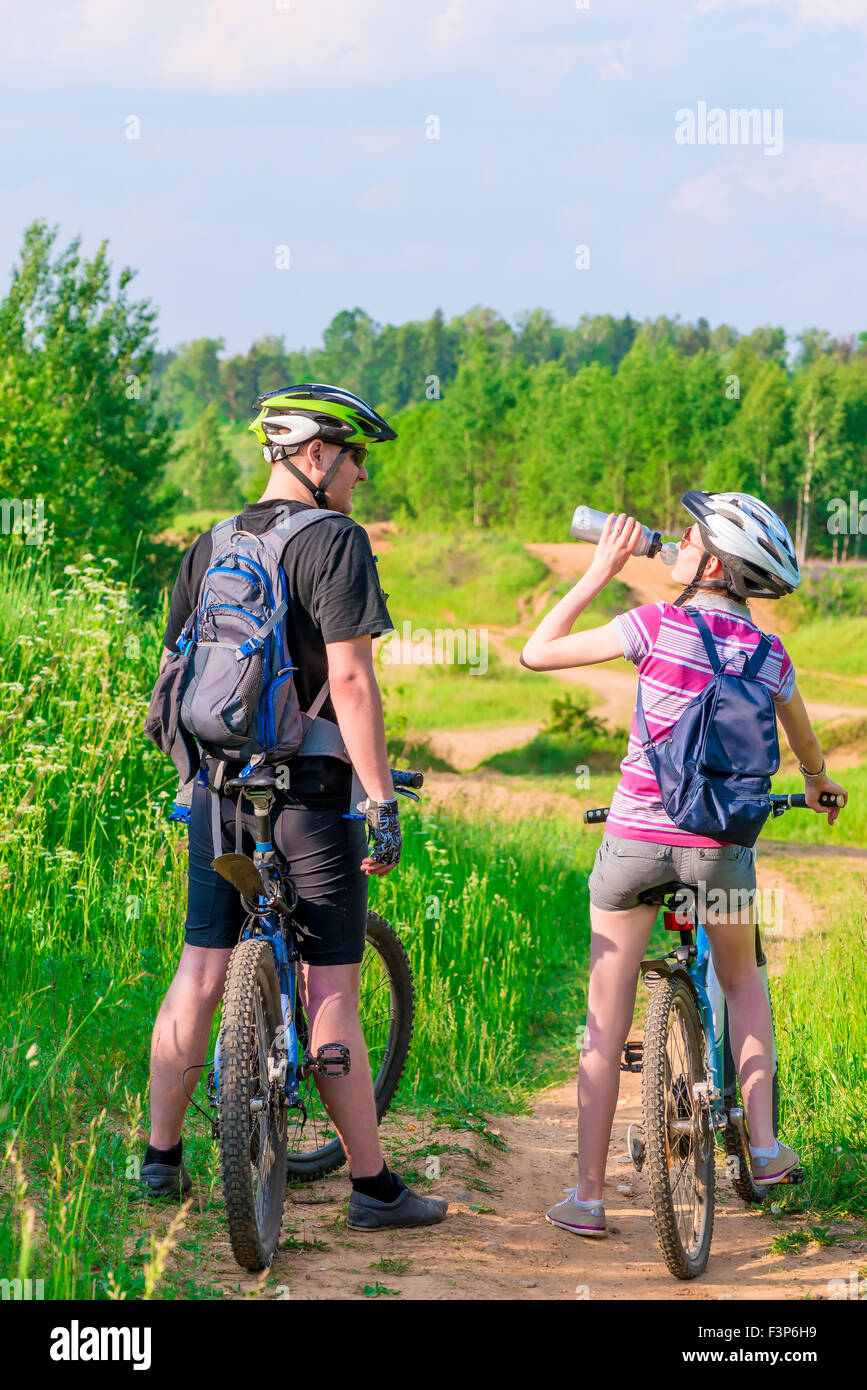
(625, 868)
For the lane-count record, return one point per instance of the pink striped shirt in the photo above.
(673, 667)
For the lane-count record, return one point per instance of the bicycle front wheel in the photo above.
(386, 1010)
(678, 1128)
(253, 1128)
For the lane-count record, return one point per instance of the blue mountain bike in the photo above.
(690, 1093)
(270, 1119)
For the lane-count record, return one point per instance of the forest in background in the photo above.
(500, 425)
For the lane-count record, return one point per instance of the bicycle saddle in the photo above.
(262, 780)
(657, 896)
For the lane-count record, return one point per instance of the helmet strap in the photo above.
(319, 491)
(699, 583)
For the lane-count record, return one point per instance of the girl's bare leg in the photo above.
(618, 943)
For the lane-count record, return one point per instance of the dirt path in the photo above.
(506, 1250)
(464, 749)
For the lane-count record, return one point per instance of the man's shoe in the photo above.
(581, 1221)
(767, 1171)
(166, 1179)
(407, 1209)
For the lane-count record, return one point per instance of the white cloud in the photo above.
(831, 13)
(237, 46)
(828, 174)
(714, 219)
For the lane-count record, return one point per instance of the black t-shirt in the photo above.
(332, 584)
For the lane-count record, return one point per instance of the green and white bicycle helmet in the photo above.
(750, 541)
(294, 415)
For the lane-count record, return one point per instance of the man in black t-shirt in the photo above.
(315, 439)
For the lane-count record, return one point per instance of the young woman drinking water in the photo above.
(735, 549)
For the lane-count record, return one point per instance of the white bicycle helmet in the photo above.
(751, 542)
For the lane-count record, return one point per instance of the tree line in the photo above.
(506, 425)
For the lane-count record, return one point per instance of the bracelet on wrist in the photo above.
(812, 776)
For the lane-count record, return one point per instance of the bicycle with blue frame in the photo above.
(270, 1119)
(690, 1092)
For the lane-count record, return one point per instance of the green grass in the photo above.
(808, 827)
(821, 1008)
(449, 696)
(837, 644)
(462, 579)
(831, 691)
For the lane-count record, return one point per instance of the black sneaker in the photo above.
(408, 1209)
(166, 1179)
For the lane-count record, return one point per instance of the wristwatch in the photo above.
(813, 776)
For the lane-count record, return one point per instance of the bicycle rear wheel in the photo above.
(386, 1010)
(253, 1128)
(678, 1128)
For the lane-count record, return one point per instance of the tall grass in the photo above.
(93, 895)
(820, 1005)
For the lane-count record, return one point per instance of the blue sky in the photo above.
(267, 123)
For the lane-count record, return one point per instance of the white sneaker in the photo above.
(584, 1221)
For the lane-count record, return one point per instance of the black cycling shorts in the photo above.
(323, 851)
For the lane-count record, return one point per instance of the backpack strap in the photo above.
(318, 702)
(639, 717)
(220, 534)
(706, 636)
(277, 536)
(757, 660)
(752, 665)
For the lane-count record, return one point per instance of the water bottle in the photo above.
(588, 523)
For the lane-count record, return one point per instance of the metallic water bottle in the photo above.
(588, 524)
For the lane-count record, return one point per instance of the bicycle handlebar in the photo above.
(780, 802)
(406, 779)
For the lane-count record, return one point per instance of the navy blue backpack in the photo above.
(714, 767)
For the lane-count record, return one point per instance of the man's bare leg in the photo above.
(330, 996)
(180, 1037)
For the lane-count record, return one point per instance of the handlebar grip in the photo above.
(407, 779)
(798, 800)
(598, 813)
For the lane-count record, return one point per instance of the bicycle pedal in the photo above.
(633, 1056)
(796, 1176)
(636, 1146)
(332, 1059)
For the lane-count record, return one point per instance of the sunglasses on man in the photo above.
(358, 452)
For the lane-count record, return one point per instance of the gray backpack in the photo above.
(229, 688)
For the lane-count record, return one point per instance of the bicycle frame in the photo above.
(272, 917)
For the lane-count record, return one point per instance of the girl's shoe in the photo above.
(767, 1171)
(584, 1221)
